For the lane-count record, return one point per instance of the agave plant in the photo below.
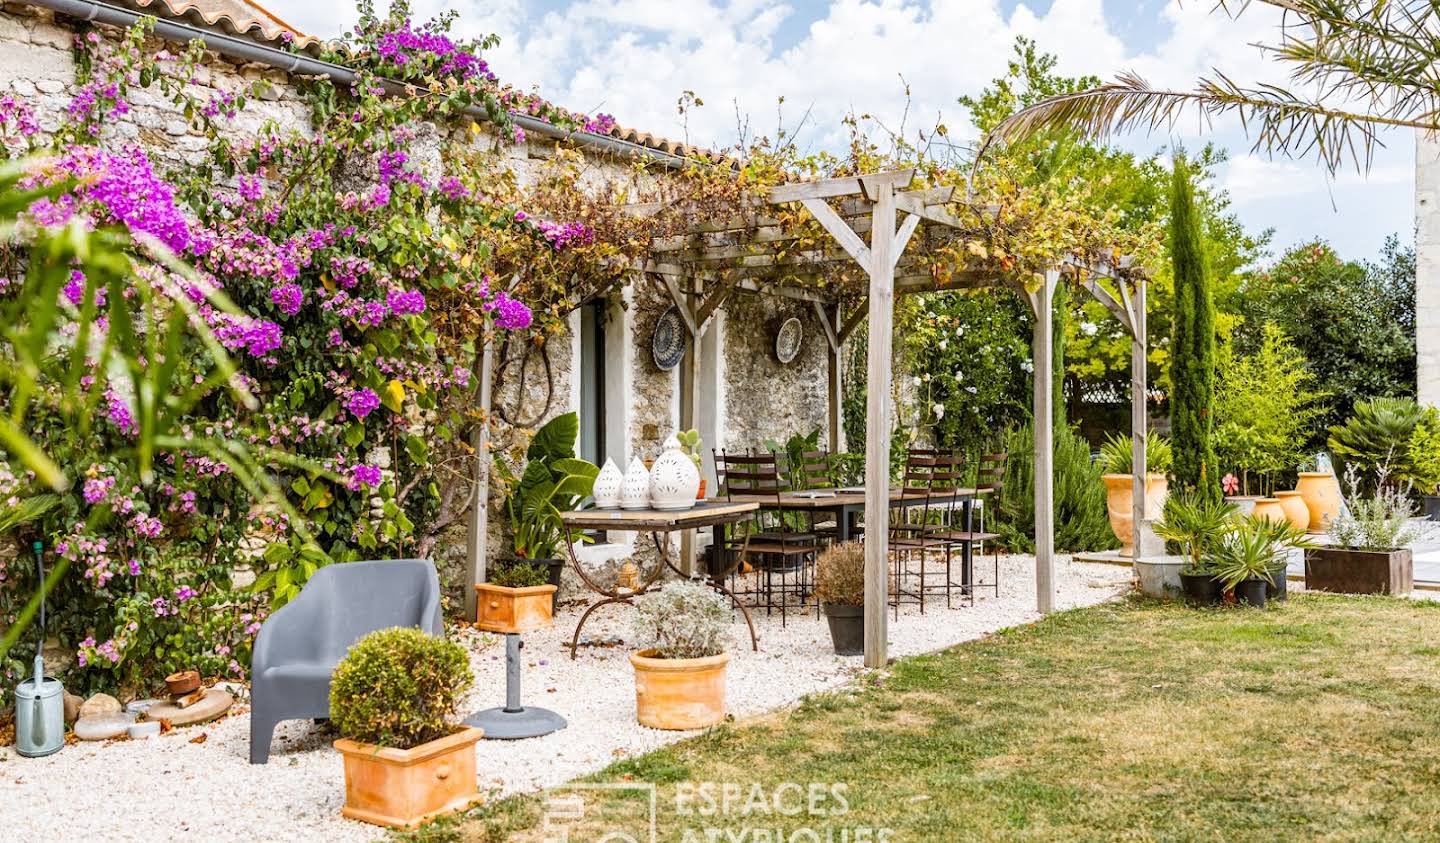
(1253, 548)
(1378, 54)
(1196, 524)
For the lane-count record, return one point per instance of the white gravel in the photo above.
(196, 783)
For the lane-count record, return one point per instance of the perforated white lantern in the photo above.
(635, 488)
(674, 482)
(607, 485)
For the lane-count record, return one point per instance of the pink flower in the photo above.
(362, 402)
(1230, 483)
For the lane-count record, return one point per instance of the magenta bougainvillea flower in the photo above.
(362, 402)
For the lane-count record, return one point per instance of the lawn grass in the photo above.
(1314, 720)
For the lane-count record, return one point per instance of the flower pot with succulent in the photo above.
(518, 597)
(553, 481)
(1250, 553)
(680, 668)
(840, 587)
(1117, 461)
(393, 699)
(1196, 524)
(1369, 553)
(693, 446)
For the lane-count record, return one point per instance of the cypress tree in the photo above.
(1192, 350)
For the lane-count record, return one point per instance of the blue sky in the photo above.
(634, 58)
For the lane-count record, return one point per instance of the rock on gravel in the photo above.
(172, 787)
(102, 727)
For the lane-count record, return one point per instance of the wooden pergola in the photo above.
(715, 259)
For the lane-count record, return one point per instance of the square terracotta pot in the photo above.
(503, 609)
(1348, 571)
(403, 788)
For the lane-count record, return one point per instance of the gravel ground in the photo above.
(196, 782)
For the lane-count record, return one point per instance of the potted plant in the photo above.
(518, 597)
(692, 443)
(554, 481)
(680, 668)
(1370, 551)
(393, 699)
(1117, 463)
(1249, 556)
(840, 588)
(1196, 524)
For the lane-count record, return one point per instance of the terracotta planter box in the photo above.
(679, 693)
(507, 610)
(403, 788)
(1360, 571)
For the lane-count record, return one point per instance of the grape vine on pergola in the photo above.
(752, 250)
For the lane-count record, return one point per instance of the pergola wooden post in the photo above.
(756, 247)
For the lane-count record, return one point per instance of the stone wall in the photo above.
(1427, 268)
(765, 399)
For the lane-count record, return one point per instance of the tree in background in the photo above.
(1192, 367)
(1353, 322)
(1266, 406)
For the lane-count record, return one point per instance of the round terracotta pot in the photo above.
(1296, 512)
(1270, 508)
(1321, 493)
(1120, 500)
(679, 693)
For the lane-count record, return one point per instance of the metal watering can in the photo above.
(39, 700)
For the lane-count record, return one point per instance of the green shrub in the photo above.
(1081, 520)
(520, 574)
(683, 620)
(840, 575)
(398, 688)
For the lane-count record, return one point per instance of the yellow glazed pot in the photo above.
(1270, 508)
(679, 693)
(1120, 503)
(1321, 493)
(1296, 511)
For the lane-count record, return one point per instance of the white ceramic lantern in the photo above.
(674, 482)
(635, 488)
(607, 485)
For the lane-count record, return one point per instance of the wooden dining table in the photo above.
(848, 503)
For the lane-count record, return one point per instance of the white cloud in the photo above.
(633, 58)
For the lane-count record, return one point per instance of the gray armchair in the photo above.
(300, 644)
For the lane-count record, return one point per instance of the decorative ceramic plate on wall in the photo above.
(787, 340)
(667, 344)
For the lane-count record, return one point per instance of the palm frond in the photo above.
(1278, 120)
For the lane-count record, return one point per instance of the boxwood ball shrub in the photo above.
(398, 688)
(840, 575)
(519, 574)
(683, 620)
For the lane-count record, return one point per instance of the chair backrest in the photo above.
(757, 473)
(947, 473)
(990, 476)
(353, 599)
(813, 470)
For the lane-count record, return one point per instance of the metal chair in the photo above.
(947, 480)
(913, 529)
(300, 644)
(783, 550)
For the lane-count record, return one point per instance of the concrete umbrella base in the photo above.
(514, 721)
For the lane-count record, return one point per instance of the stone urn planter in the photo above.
(1269, 508)
(679, 693)
(1347, 571)
(1297, 512)
(1321, 493)
(1119, 501)
(847, 628)
(1244, 504)
(403, 788)
(507, 610)
(1160, 577)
